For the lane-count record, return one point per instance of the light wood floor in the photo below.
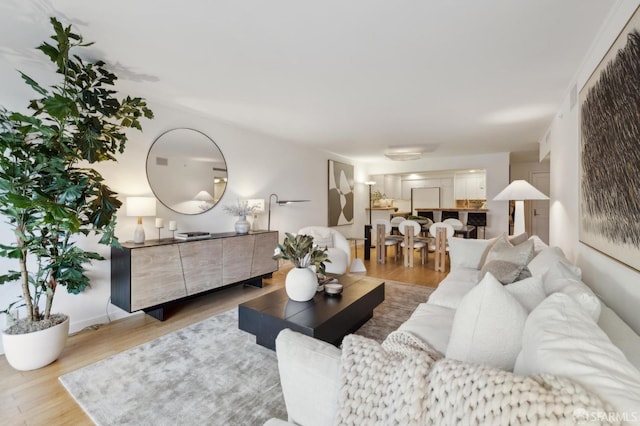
(38, 398)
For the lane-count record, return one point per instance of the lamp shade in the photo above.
(257, 204)
(520, 190)
(203, 196)
(141, 206)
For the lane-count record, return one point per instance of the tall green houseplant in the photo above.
(48, 193)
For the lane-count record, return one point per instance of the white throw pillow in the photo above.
(322, 240)
(561, 338)
(538, 244)
(545, 259)
(468, 252)
(487, 326)
(518, 239)
(529, 292)
(561, 278)
(504, 250)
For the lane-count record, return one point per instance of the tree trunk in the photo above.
(24, 279)
(51, 291)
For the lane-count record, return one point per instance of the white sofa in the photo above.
(338, 250)
(550, 323)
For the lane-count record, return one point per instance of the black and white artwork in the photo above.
(340, 193)
(610, 151)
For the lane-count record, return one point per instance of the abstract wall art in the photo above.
(340, 193)
(610, 151)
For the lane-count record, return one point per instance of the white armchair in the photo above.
(338, 249)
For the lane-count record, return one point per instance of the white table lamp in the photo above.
(519, 190)
(258, 207)
(140, 206)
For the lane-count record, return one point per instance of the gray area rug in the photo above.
(208, 373)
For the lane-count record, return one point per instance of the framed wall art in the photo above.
(340, 193)
(610, 151)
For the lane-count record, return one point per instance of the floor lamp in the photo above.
(519, 190)
(280, 203)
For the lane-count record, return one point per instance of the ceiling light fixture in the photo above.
(403, 156)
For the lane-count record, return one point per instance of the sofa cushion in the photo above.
(620, 334)
(529, 292)
(561, 338)
(503, 271)
(432, 324)
(487, 326)
(504, 250)
(453, 288)
(308, 367)
(468, 252)
(542, 261)
(561, 278)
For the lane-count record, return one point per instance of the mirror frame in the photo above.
(151, 185)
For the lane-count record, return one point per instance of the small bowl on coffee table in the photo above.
(333, 289)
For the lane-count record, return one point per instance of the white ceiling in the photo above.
(350, 76)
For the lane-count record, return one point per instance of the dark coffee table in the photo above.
(324, 317)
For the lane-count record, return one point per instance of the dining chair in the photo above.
(394, 224)
(441, 232)
(384, 240)
(456, 223)
(411, 229)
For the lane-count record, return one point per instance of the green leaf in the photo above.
(33, 84)
(60, 107)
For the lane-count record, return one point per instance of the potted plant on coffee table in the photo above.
(301, 282)
(50, 197)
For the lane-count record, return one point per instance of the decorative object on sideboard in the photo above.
(140, 207)
(181, 163)
(257, 205)
(159, 225)
(193, 235)
(518, 191)
(301, 282)
(50, 194)
(280, 203)
(173, 227)
(241, 209)
(206, 200)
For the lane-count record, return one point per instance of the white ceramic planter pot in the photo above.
(35, 350)
(301, 284)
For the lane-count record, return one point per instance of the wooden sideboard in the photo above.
(151, 275)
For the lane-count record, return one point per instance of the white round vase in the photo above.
(35, 350)
(242, 225)
(301, 284)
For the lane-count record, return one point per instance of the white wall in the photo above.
(258, 166)
(496, 166)
(618, 285)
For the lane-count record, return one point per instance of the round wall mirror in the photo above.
(186, 171)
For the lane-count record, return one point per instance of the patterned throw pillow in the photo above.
(503, 271)
(504, 250)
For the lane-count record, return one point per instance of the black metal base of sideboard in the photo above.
(159, 312)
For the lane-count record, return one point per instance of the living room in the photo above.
(262, 163)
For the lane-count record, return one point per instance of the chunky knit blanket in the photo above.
(404, 382)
